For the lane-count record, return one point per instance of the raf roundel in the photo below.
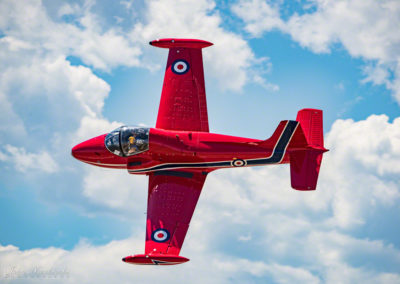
(160, 235)
(180, 66)
(238, 163)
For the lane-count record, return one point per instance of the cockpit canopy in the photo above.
(127, 141)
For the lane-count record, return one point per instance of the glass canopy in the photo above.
(127, 140)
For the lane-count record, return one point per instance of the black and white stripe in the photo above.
(276, 157)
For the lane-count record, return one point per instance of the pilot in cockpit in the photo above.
(132, 145)
(126, 141)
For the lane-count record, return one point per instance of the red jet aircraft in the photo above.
(179, 152)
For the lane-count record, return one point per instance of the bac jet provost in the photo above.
(180, 152)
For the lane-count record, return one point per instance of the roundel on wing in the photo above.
(180, 66)
(160, 235)
(238, 163)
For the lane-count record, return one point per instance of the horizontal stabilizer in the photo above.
(304, 168)
(180, 42)
(158, 259)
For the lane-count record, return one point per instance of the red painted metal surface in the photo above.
(172, 199)
(306, 162)
(183, 103)
(180, 42)
(143, 259)
(180, 152)
(94, 152)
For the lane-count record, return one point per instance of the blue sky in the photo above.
(73, 70)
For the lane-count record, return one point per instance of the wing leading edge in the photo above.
(183, 104)
(172, 198)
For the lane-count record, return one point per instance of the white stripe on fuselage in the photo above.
(106, 165)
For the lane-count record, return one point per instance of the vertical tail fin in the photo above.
(311, 124)
(305, 161)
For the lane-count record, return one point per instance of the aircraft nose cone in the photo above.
(78, 151)
(92, 149)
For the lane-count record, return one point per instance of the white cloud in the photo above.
(366, 29)
(280, 273)
(358, 176)
(57, 92)
(126, 4)
(34, 48)
(113, 189)
(90, 127)
(229, 60)
(24, 161)
(311, 229)
(11, 124)
(376, 74)
(358, 143)
(199, 270)
(68, 9)
(116, 189)
(259, 16)
(368, 166)
(28, 24)
(46, 103)
(324, 254)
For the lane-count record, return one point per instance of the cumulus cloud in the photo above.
(259, 16)
(83, 35)
(358, 176)
(286, 226)
(57, 92)
(369, 167)
(229, 60)
(309, 229)
(24, 162)
(250, 224)
(34, 46)
(366, 29)
(54, 104)
(325, 253)
(28, 25)
(358, 179)
(116, 190)
(47, 103)
(69, 265)
(93, 126)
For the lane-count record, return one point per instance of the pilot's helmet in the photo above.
(131, 140)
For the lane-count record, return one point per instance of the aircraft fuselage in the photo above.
(169, 150)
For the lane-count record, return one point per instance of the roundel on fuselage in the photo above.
(238, 163)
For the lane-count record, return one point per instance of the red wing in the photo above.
(172, 199)
(183, 103)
